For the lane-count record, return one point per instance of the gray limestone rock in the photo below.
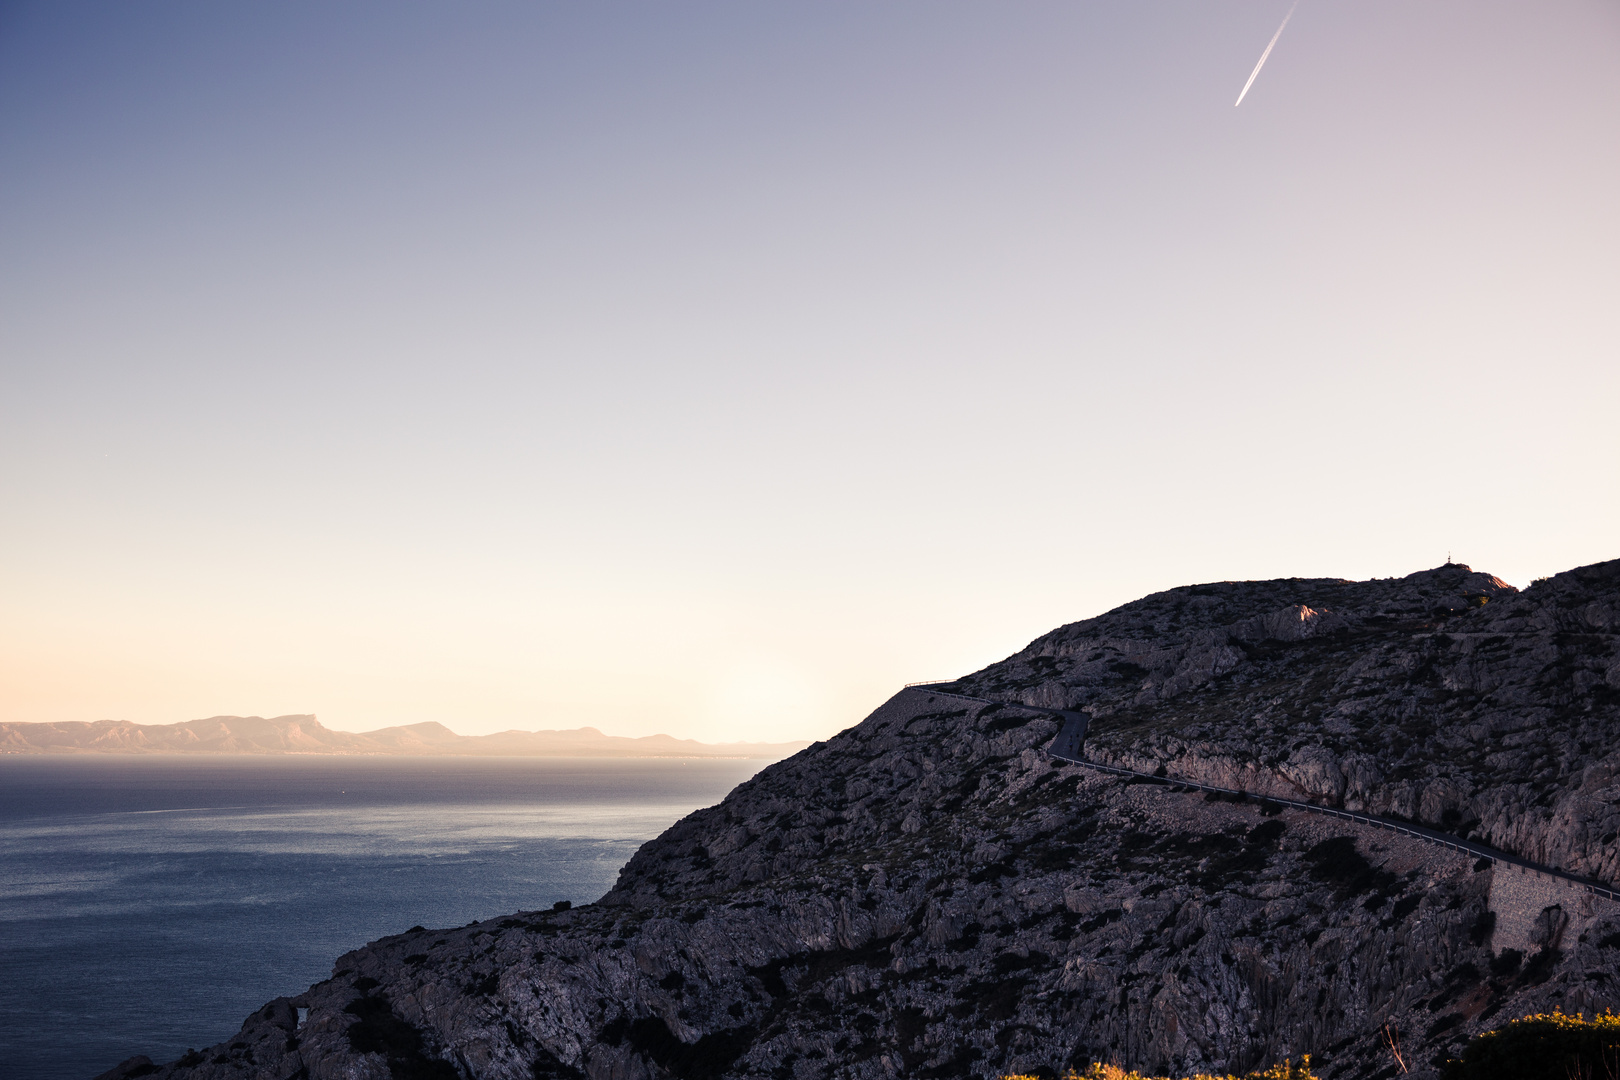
(928, 894)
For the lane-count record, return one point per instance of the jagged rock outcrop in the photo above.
(1445, 697)
(928, 894)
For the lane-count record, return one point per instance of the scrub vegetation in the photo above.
(1545, 1046)
(1099, 1071)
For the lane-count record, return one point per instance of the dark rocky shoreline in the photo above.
(929, 894)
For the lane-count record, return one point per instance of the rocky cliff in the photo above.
(1446, 697)
(928, 894)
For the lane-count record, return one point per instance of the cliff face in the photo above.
(928, 894)
(1445, 697)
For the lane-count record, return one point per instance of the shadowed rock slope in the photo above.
(928, 894)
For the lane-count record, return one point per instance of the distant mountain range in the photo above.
(306, 735)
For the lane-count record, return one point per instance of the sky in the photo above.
(717, 368)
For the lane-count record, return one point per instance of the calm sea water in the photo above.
(148, 905)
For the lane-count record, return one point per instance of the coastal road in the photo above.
(1069, 747)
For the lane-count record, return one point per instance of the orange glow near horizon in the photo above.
(714, 371)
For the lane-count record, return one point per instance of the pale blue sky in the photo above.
(716, 368)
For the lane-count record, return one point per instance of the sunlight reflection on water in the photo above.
(150, 904)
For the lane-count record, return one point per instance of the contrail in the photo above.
(1265, 54)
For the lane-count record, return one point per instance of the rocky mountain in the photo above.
(930, 894)
(306, 735)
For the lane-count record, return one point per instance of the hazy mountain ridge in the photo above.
(928, 894)
(303, 734)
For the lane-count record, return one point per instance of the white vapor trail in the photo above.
(1265, 54)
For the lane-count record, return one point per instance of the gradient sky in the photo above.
(715, 368)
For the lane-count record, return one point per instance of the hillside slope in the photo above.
(1445, 697)
(928, 894)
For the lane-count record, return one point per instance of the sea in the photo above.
(149, 904)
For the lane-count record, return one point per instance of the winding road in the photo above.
(1070, 742)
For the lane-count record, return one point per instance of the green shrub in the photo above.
(1548, 1046)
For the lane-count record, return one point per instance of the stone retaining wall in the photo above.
(1534, 909)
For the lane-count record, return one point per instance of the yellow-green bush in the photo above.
(1547, 1046)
